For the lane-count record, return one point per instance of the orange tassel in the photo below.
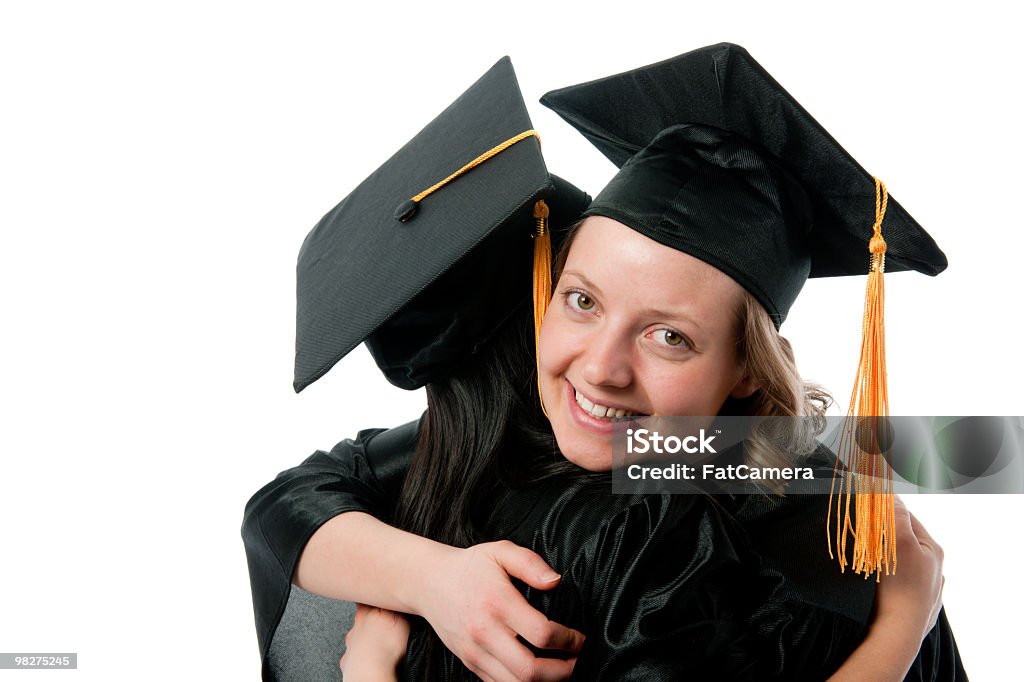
(865, 435)
(541, 280)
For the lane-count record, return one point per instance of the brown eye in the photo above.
(581, 301)
(671, 338)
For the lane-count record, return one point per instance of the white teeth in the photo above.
(600, 411)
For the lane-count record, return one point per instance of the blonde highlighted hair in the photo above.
(767, 357)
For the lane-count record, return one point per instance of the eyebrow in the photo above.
(587, 282)
(653, 312)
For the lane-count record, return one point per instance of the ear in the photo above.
(744, 388)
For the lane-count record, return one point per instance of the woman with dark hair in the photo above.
(663, 586)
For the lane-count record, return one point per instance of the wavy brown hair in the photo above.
(767, 357)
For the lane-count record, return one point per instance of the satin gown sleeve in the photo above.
(361, 474)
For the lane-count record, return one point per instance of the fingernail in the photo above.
(550, 576)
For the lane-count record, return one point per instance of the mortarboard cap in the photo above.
(389, 264)
(719, 161)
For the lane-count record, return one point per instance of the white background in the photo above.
(160, 164)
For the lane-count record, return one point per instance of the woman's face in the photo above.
(638, 327)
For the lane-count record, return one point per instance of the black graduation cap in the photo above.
(719, 161)
(389, 264)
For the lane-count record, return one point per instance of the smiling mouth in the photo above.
(604, 412)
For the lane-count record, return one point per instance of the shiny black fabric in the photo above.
(284, 514)
(709, 193)
(664, 587)
(711, 149)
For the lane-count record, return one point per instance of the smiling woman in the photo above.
(667, 303)
(602, 343)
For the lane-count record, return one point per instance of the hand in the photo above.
(477, 612)
(911, 598)
(375, 645)
(907, 607)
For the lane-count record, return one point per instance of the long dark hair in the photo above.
(483, 435)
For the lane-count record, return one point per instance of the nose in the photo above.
(607, 361)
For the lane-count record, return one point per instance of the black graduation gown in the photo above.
(665, 587)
